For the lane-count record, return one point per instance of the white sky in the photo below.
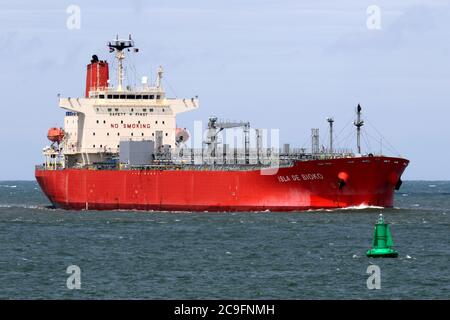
(278, 64)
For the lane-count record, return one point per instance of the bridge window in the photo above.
(101, 96)
(131, 96)
(109, 109)
(122, 96)
(144, 96)
(115, 96)
(109, 96)
(158, 96)
(138, 96)
(152, 96)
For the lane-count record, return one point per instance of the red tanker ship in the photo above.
(121, 149)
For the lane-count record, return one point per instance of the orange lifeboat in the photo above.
(55, 134)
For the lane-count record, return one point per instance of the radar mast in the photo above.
(117, 46)
(358, 124)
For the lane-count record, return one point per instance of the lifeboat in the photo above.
(55, 134)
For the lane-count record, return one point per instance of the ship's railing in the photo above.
(229, 158)
(76, 149)
(127, 90)
(50, 166)
(222, 155)
(239, 156)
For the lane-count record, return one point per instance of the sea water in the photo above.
(159, 255)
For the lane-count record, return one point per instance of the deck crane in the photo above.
(215, 126)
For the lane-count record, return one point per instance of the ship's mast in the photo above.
(118, 46)
(358, 123)
(330, 121)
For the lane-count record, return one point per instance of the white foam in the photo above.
(23, 206)
(361, 207)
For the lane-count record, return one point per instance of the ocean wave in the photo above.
(349, 208)
(26, 206)
(361, 207)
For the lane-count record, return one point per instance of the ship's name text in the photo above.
(301, 177)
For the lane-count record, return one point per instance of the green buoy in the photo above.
(382, 241)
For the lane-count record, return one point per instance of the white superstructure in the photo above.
(95, 125)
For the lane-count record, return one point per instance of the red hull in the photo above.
(306, 185)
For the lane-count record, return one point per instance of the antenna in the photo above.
(358, 124)
(330, 121)
(159, 77)
(118, 46)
